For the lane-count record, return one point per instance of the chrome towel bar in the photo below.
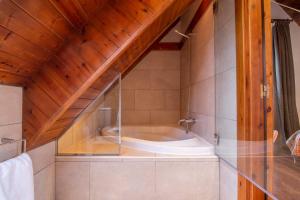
(6, 141)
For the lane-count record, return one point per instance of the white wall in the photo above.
(279, 13)
(11, 127)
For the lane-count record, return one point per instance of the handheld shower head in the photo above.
(182, 34)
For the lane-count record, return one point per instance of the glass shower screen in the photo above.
(97, 129)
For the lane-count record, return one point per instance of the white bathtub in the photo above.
(163, 140)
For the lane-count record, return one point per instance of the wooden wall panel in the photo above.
(90, 94)
(92, 6)
(100, 42)
(18, 21)
(9, 78)
(268, 53)
(141, 12)
(47, 15)
(71, 113)
(15, 45)
(250, 109)
(37, 116)
(78, 12)
(72, 11)
(33, 31)
(81, 103)
(13, 64)
(51, 87)
(62, 123)
(121, 31)
(40, 99)
(84, 70)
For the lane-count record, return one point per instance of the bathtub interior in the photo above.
(151, 133)
(142, 140)
(170, 140)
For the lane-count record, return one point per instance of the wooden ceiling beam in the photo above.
(167, 46)
(292, 13)
(198, 15)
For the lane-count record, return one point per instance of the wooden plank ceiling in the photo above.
(65, 52)
(31, 31)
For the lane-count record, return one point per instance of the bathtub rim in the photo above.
(123, 158)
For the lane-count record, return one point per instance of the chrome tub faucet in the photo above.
(187, 123)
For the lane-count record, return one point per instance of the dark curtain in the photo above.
(286, 116)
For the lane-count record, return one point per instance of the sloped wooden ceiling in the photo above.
(31, 31)
(294, 4)
(65, 52)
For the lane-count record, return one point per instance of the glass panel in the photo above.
(225, 61)
(283, 172)
(97, 129)
(271, 161)
(247, 158)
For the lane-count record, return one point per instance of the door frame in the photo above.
(254, 107)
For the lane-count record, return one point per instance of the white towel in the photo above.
(16, 179)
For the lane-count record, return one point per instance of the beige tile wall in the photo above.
(72, 181)
(197, 84)
(10, 119)
(208, 86)
(228, 182)
(43, 158)
(138, 178)
(151, 92)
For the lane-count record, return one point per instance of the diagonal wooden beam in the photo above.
(167, 46)
(198, 15)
